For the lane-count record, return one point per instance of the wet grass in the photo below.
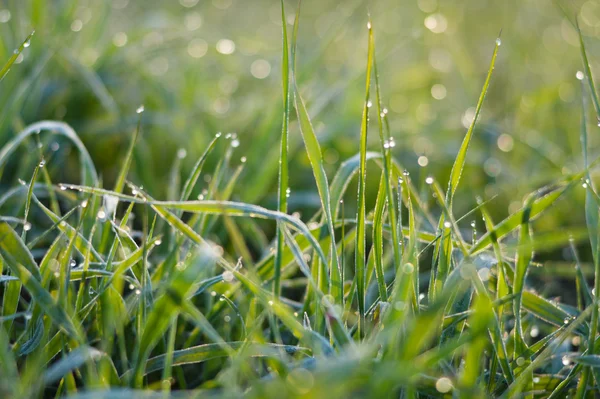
(115, 293)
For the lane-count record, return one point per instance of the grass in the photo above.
(117, 293)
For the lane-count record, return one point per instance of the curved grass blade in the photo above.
(72, 361)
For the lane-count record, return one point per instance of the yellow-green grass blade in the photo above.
(283, 185)
(361, 235)
(459, 162)
(14, 55)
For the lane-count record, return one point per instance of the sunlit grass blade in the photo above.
(313, 150)
(361, 235)
(591, 211)
(459, 162)
(283, 186)
(14, 56)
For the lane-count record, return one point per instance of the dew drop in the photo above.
(498, 42)
(429, 180)
(369, 104)
(140, 109)
(138, 292)
(369, 26)
(42, 163)
(520, 361)
(228, 276)
(243, 159)
(270, 303)
(579, 75)
(62, 187)
(535, 332)
(566, 361)
(443, 385)
(227, 319)
(447, 224)
(27, 44)
(158, 242)
(218, 135)
(181, 153)
(27, 226)
(235, 143)
(131, 286)
(409, 268)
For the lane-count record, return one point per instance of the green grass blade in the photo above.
(14, 56)
(361, 235)
(283, 185)
(459, 162)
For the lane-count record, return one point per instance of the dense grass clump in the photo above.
(109, 292)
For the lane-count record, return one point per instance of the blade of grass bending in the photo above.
(14, 55)
(89, 176)
(283, 152)
(361, 235)
(459, 162)
(315, 156)
(544, 199)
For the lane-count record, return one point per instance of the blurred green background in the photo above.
(207, 66)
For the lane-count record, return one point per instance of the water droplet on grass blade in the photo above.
(27, 226)
(140, 109)
(228, 276)
(579, 75)
(429, 180)
(235, 143)
(520, 361)
(498, 42)
(443, 385)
